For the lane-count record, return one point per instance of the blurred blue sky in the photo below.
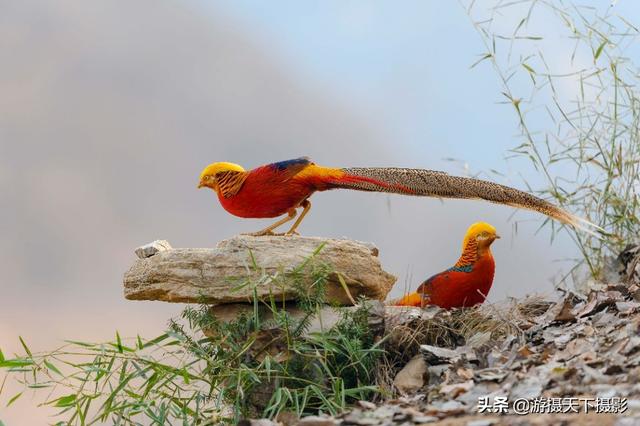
(406, 68)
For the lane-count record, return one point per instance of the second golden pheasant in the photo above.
(465, 284)
(280, 188)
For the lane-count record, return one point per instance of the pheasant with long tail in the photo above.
(279, 189)
(465, 284)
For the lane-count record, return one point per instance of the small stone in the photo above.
(412, 376)
(150, 249)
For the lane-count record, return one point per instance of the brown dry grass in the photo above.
(487, 326)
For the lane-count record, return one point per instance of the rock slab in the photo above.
(229, 272)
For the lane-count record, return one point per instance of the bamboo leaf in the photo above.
(156, 340)
(3, 383)
(345, 287)
(483, 58)
(14, 398)
(83, 344)
(52, 367)
(119, 341)
(599, 50)
(17, 362)
(24, 345)
(65, 401)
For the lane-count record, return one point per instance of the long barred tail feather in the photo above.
(432, 183)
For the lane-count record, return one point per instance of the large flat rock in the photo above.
(271, 265)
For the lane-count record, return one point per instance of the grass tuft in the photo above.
(207, 371)
(576, 103)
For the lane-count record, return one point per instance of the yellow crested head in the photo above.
(208, 175)
(482, 232)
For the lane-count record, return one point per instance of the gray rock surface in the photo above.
(326, 318)
(228, 272)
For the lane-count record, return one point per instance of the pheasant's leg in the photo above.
(306, 205)
(268, 230)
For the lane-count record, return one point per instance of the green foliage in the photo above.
(576, 101)
(263, 362)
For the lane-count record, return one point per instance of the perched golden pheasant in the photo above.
(280, 188)
(465, 284)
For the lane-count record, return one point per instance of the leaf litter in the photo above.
(577, 346)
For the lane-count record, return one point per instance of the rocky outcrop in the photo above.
(242, 266)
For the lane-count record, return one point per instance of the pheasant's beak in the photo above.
(200, 185)
(497, 237)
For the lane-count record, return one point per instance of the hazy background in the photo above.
(109, 111)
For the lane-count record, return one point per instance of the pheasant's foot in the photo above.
(269, 230)
(306, 205)
(266, 234)
(259, 234)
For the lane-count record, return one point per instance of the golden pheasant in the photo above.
(280, 188)
(465, 284)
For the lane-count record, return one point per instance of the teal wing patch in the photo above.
(465, 268)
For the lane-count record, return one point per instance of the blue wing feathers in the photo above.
(284, 165)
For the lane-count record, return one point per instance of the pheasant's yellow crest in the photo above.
(478, 229)
(215, 168)
(208, 175)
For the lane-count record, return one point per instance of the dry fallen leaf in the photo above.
(525, 352)
(456, 389)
